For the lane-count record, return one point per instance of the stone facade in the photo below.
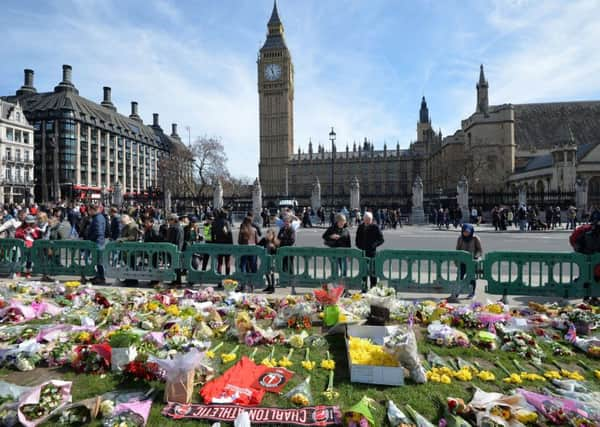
(497, 148)
(16, 155)
(82, 148)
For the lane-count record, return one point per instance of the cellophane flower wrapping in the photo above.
(328, 294)
(49, 404)
(381, 296)
(499, 409)
(562, 410)
(301, 394)
(179, 373)
(95, 358)
(402, 344)
(446, 336)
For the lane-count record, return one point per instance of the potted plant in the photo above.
(123, 343)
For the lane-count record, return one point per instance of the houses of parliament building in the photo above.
(544, 146)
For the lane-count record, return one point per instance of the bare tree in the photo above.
(176, 170)
(209, 162)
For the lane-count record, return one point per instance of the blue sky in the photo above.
(361, 66)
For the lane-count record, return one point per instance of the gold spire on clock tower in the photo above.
(276, 109)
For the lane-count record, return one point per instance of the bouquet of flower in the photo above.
(124, 419)
(179, 374)
(402, 345)
(92, 359)
(38, 404)
(380, 296)
(230, 285)
(360, 414)
(563, 411)
(486, 340)
(524, 345)
(328, 296)
(301, 394)
(138, 370)
(446, 336)
(297, 316)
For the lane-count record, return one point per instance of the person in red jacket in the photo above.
(29, 232)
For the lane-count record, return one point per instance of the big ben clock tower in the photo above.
(276, 109)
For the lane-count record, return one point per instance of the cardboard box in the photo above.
(383, 375)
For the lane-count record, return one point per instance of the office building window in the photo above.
(49, 126)
(18, 155)
(10, 136)
(26, 155)
(26, 137)
(17, 135)
(8, 154)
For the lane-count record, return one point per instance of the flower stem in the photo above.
(218, 346)
(235, 349)
(290, 353)
(330, 384)
(499, 365)
(307, 354)
(328, 355)
(253, 353)
(272, 352)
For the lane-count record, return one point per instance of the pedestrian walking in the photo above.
(368, 239)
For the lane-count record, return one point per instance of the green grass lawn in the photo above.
(423, 398)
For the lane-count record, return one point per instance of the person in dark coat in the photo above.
(338, 236)
(287, 237)
(115, 224)
(176, 237)
(95, 232)
(368, 238)
(221, 232)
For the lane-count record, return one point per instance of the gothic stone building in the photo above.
(385, 176)
(82, 148)
(546, 146)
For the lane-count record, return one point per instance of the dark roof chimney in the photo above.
(174, 130)
(155, 120)
(66, 83)
(107, 102)
(134, 112)
(27, 84)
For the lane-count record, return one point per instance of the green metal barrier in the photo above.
(246, 264)
(141, 261)
(317, 266)
(64, 257)
(593, 286)
(12, 256)
(425, 271)
(559, 274)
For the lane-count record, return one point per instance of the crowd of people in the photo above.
(148, 224)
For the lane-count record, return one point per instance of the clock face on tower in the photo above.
(272, 72)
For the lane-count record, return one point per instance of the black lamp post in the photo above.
(332, 139)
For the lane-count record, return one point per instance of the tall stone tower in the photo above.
(482, 93)
(424, 123)
(276, 108)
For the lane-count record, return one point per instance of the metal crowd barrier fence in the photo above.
(213, 262)
(316, 266)
(560, 274)
(12, 256)
(593, 288)
(141, 261)
(64, 257)
(423, 271)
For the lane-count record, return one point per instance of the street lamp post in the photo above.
(332, 139)
(440, 192)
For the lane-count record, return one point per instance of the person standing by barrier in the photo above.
(115, 224)
(95, 232)
(368, 239)
(29, 232)
(222, 234)
(287, 237)
(10, 225)
(467, 241)
(248, 236)
(207, 236)
(175, 236)
(338, 236)
(270, 243)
